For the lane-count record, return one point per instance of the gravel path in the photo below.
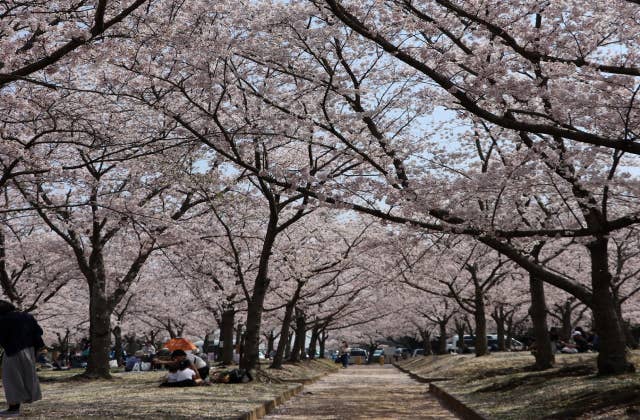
(363, 392)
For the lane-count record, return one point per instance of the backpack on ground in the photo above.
(239, 376)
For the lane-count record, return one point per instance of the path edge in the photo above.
(458, 408)
(268, 406)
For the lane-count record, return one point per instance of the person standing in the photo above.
(344, 354)
(20, 337)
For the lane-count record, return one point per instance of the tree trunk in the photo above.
(298, 344)
(281, 351)
(205, 343)
(538, 312)
(289, 345)
(566, 312)
(426, 341)
(371, 348)
(442, 342)
(628, 332)
(313, 342)
(480, 319)
(500, 329)
(302, 326)
(271, 339)
(63, 344)
(99, 332)
(460, 328)
(626, 325)
(227, 322)
(612, 355)
(238, 332)
(255, 305)
(323, 341)
(510, 330)
(117, 338)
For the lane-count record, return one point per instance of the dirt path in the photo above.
(363, 392)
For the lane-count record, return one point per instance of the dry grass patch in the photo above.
(302, 371)
(503, 386)
(137, 395)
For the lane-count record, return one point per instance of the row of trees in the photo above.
(500, 132)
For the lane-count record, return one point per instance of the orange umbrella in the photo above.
(180, 344)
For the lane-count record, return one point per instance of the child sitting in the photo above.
(180, 375)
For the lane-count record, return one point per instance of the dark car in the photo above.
(377, 354)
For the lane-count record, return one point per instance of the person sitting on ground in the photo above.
(132, 360)
(579, 344)
(196, 363)
(181, 375)
(163, 356)
(580, 340)
(43, 360)
(58, 361)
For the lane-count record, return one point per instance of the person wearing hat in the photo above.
(20, 337)
(579, 337)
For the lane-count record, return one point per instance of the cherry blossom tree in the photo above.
(335, 103)
(112, 214)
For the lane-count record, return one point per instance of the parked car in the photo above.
(469, 344)
(401, 353)
(493, 343)
(418, 352)
(357, 352)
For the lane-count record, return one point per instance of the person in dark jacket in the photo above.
(20, 337)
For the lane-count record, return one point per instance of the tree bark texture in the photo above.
(227, 322)
(612, 356)
(480, 319)
(284, 338)
(99, 332)
(538, 312)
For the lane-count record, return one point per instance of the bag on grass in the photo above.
(239, 376)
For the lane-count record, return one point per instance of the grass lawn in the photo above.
(134, 395)
(302, 372)
(501, 386)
